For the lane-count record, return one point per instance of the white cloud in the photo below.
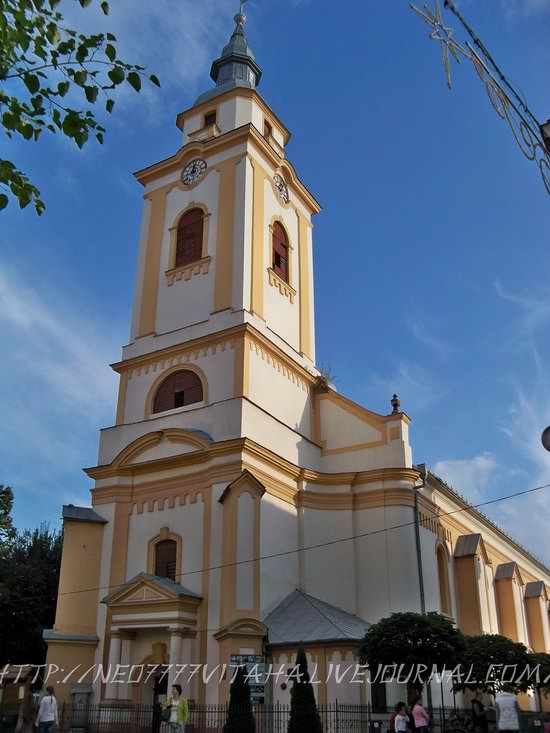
(416, 386)
(516, 8)
(424, 329)
(469, 476)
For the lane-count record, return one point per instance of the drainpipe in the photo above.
(424, 471)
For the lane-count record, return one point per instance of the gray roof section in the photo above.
(165, 583)
(81, 514)
(534, 589)
(303, 618)
(467, 545)
(505, 571)
(236, 67)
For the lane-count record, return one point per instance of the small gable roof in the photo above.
(468, 545)
(507, 571)
(173, 588)
(535, 589)
(303, 618)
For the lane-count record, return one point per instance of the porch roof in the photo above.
(303, 618)
(166, 584)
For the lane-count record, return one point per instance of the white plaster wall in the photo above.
(187, 301)
(429, 567)
(520, 613)
(341, 428)
(280, 396)
(483, 601)
(392, 455)
(140, 268)
(282, 440)
(107, 511)
(344, 681)
(245, 551)
(222, 421)
(214, 586)
(218, 369)
(492, 600)
(187, 521)
(336, 562)
(281, 315)
(278, 533)
(387, 577)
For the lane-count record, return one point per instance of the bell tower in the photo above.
(225, 258)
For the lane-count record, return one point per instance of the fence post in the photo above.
(337, 717)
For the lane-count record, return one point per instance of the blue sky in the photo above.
(431, 253)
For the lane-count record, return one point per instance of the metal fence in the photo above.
(335, 717)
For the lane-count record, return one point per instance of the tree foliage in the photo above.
(491, 662)
(539, 662)
(29, 578)
(240, 718)
(304, 716)
(7, 530)
(51, 76)
(417, 644)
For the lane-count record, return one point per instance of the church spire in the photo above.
(236, 67)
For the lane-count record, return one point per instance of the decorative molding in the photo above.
(180, 358)
(277, 363)
(283, 287)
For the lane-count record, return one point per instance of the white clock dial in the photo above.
(282, 190)
(193, 171)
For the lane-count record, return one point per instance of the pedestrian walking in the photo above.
(420, 716)
(507, 711)
(479, 714)
(179, 710)
(391, 726)
(27, 714)
(401, 719)
(47, 711)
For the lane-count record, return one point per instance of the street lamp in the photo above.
(545, 438)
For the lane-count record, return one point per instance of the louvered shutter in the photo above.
(189, 238)
(280, 251)
(179, 389)
(165, 559)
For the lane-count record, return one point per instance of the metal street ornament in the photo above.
(529, 134)
(442, 33)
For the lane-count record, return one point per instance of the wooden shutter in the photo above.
(165, 559)
(179, 383)
(189, 238)
(280, 251)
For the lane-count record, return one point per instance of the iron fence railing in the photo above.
(335, 717)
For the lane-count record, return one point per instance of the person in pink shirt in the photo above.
(420, 716)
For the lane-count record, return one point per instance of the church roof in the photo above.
(165, 583)
(81, 514)
(236, 67)
(303, 618)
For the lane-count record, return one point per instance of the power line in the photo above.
(304, 549)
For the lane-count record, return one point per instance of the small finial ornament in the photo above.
(240, 18)
(395, 404)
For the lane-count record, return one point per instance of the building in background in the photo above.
(241, 505)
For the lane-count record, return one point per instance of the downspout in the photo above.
(424, 471)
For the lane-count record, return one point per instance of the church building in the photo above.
(241, 505)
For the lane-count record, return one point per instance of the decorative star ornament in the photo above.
(443, 34)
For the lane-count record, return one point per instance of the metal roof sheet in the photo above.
(303, 618)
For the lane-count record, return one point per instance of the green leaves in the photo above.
(116, 75)
(46, 64)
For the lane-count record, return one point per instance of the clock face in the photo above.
(193, 171)
(282, 190)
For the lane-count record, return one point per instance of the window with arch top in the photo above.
(165, 559)
(189, 237)
(179, 389)
(443, 578)
(280, 251)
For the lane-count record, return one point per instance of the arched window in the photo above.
(165, 559)
(280, 251)
(178, 389)
(443, 577)
(189, 238)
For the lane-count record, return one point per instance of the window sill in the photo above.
(278, 282)
(200, 267)
(175, 410)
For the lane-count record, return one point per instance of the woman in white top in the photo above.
(401, 720)
(47, 712)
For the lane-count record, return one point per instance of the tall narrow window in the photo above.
(179, 389)
(280, 251)
(443, 576)
(268, 130)
(165, 559)
(189, 238)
